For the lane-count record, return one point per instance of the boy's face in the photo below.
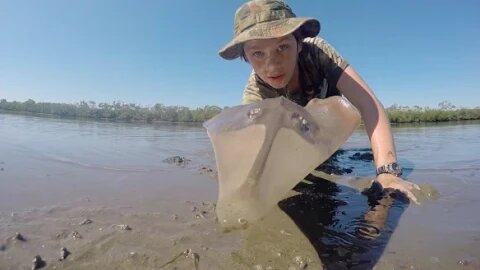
(274, 60)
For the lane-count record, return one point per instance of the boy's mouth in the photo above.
(276, 78)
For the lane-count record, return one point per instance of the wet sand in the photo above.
(172, 211)
(168, 212)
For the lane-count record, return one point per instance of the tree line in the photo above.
(116, 111)
(129, 112)
(445, 111)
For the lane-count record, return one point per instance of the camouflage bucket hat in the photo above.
(263, 19)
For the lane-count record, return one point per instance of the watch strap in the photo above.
(390, 168)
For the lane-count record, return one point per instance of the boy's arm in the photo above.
(377, 125)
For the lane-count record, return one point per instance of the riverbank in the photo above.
(123, 112)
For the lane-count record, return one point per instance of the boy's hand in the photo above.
(393, 182)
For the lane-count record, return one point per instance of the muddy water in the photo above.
(51, 169)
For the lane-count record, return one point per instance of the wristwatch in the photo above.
(391, 168)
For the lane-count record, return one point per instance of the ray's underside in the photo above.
(264, 149)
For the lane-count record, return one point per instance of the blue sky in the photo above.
(146, 52)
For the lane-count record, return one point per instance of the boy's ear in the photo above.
(299, 47)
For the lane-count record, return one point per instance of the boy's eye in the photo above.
(283, 47)
(257, 54)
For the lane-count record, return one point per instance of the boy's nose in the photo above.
(273, 62)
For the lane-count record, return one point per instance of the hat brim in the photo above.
(273, 29)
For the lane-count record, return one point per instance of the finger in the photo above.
(411, 197)
(412, 186)
(406, 190)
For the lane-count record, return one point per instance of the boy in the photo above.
(288, 59)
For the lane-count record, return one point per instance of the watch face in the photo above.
(395, 166)
(396, 169)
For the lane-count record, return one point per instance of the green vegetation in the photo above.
(445, 112)
(119, 111)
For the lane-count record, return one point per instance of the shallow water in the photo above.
(321, 223)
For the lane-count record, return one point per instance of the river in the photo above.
(443, 232)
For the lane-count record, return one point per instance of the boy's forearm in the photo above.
(381, 138)
(376, 121)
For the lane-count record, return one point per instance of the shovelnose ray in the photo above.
(264, 149)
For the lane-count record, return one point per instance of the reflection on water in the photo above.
(348, 230)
